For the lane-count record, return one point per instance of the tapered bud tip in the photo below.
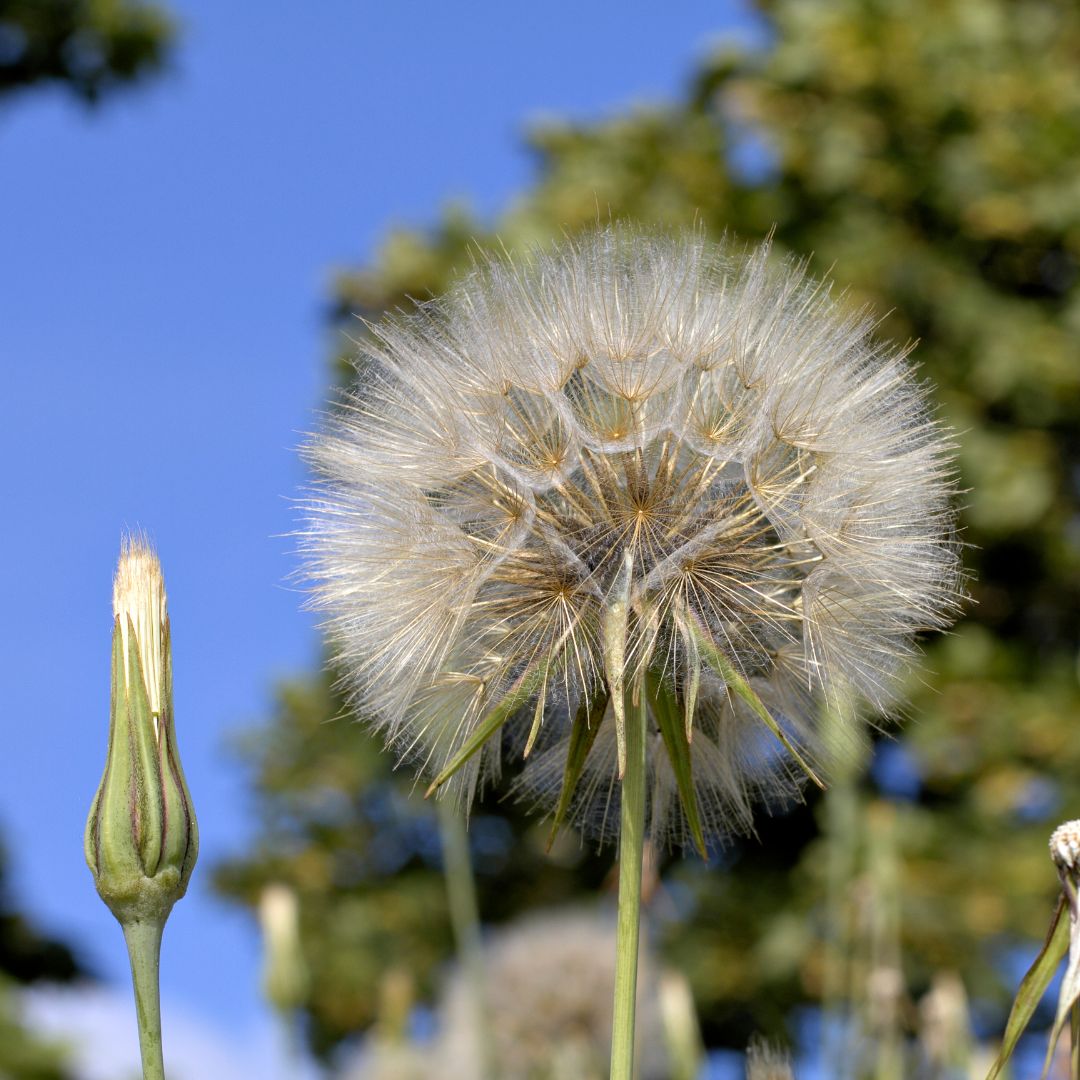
(1065, 845)
(139, 602)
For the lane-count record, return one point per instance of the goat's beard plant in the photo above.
(627, 511)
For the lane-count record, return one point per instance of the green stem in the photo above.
(465, 918)
(631, 851)
(1074, 1048)
(841, 831)
(144, 950)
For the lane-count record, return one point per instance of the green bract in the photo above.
(141, 837)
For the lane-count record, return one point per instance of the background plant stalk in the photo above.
(465, 917)
(631, 850)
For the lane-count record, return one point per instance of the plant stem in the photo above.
(631, 849)
(1074, 1047)
(841, 965)
(465, 919)
(144, 951)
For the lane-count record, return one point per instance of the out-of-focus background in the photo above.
(198, 198)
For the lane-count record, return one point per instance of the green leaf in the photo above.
(669, 716)
(538, 714)
(693, 680)
(586, 724)
(1033, 986)
(518, 694)
(1069, 994)
(735, 680)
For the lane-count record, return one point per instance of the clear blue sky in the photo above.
(163, 262)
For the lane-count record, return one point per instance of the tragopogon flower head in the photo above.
(639, 468)
(141, 836)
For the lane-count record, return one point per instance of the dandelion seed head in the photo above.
(653, 448)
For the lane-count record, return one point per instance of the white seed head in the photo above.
(549, 980)
(140, 605)
(637, 455)
(1065, 845)
(767, 1062)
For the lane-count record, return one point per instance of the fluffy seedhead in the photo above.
(767, 1062)
(549, 980)
(637, 465)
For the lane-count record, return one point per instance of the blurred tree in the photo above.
(928, 152)
(22, 1055)
(362, 852)
(27, 956)
(91, 47)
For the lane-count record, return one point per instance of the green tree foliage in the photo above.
(927, 154)
(27, 956)
(22, 1056)
(91, 47)
(361, 849)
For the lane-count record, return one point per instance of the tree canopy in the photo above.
(926, 155)
(88, 47)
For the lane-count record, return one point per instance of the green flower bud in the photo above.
(141, 836)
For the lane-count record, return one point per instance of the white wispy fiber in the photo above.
(140, 604)
(639, 456)
(767, 1062)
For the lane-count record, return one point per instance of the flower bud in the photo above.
(285, 973)
(141, 836)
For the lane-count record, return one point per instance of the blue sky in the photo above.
(163, 266)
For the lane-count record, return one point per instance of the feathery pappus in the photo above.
(640, 464)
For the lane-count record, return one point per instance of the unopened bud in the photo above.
(285, 974)
(141, 836)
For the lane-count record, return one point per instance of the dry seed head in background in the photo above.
(639, 464)
(549, 979)
(548, 983)
(767, 1062)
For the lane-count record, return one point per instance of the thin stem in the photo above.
(841, 964)
(1074, 1048)
(144, 951)
(631, 849)
(465, 919)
